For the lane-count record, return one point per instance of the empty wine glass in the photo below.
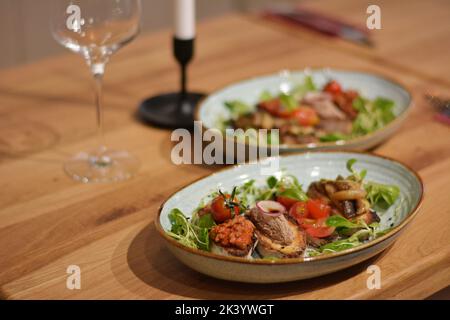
(96, 29)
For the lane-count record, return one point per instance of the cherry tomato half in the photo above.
(318, 209)
(220, 211)
(318, 228)
(320, 232)
(299, 212)
(313, 224)
(333, 87)
(305, 116)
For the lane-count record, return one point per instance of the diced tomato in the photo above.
(286, 201)
(318, 209)
(333, 87)
(305, 116)
(220, 210)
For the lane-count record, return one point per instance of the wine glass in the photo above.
(96, 29)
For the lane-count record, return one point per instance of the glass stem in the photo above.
(98, 72)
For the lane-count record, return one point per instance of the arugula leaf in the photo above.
(382, 195)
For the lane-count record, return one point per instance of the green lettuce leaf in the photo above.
(372, 115)
(340, 222)
(237, 108)
(382, 195)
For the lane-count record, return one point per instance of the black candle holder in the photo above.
(175, 109)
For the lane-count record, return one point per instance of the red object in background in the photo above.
(443, 118)
(321, 23)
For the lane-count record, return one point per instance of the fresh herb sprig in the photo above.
(230, 202)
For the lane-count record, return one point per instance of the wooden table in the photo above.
(48, 222)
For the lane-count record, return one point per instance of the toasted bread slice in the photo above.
(234, 252)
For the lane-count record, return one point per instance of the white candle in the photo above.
(185, 19)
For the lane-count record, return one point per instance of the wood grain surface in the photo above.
(48, 222)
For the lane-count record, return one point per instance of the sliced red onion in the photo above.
(271, 208)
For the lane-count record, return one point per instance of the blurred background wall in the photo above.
(25, 35)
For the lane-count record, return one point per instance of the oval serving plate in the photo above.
(307, 167)
(212, 110)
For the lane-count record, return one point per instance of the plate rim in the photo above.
(332, 144)
(289, 261)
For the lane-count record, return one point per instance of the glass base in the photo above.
(107, 166)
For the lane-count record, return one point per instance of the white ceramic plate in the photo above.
(212, 111)
(307, 167)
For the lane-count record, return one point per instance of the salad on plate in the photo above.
(306, 114)
(279, 220)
